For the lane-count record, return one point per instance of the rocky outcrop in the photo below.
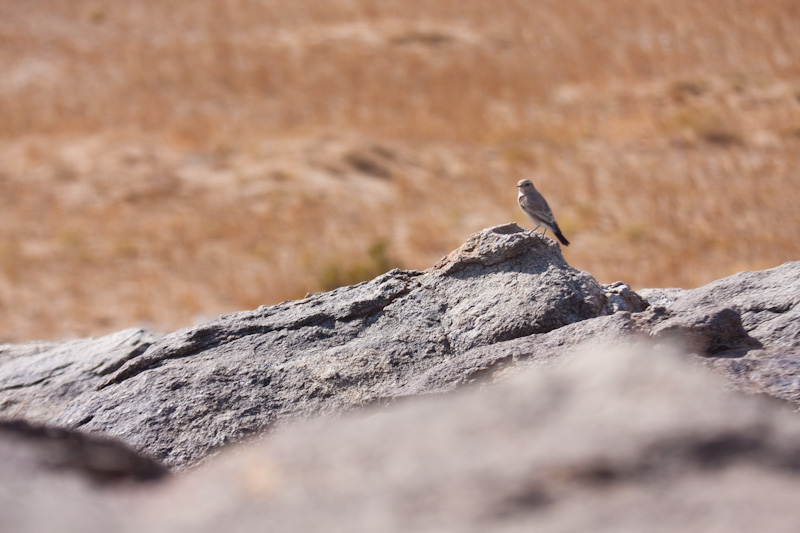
(203, 387)
(503, 301)
(632, 440)
(39, 380)
(31, 448)
(746, 326)
(767, 307)
(613, 441)
(544, 416)
(55, 479)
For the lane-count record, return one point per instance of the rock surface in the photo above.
(505, 300)
(55, 479)
(530, 431)
(768, 306)
(616, 441)
(746, 326)
(31, 448)
(38, 380)
(613, 441)
(203, 387)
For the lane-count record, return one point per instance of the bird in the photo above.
(536, 209)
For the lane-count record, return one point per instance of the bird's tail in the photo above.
(560, 236)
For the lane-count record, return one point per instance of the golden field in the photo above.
(164, 162)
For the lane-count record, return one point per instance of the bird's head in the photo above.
(524, 185)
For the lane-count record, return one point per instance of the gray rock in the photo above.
(613, 441)
(38, 380)
(768, 302)
(661, 297)
(768, 307)
(620, 297)
(206, 386)
(553, 439)
(32, 448)
(610, 441)
(488, 364)
(707, 331)
(504, 301)
(54, 479)
(741, 326)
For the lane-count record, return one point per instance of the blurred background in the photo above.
(165, 162)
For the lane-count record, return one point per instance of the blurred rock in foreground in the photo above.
(614, 440)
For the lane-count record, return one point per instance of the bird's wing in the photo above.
(537, 207)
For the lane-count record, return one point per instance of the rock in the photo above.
(203, 387)
(504, 301)
(750, 337)
(501, 360)
(54, 479)
(518, 411)
(707, 331)
(768, 302)
(620, 297)
(661, 297)
(32, 447)
(613, 441)
(632, 440)
(768, 305)
(38, 380)
(739, 325)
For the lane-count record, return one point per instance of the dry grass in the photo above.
(162, 162)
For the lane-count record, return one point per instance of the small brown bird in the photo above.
(536, 209)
